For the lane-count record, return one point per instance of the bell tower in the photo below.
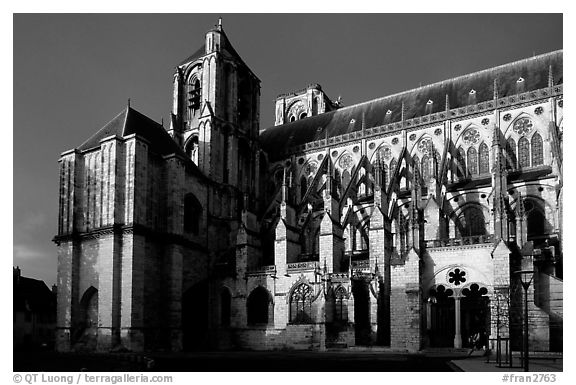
(215, 112)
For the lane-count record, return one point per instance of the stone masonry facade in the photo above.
(397, 222)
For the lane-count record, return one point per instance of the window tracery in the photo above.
(301, 304)
(523, 152)
(537, 150)
(472, 161)
(484, 159)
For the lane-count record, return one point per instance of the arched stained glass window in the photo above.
(416, 167)
(301, 305)
(523, 152)
(537, 150)
(461, 163)
(472, 161)
(472, 222)
(484, 159)
(426, 168)
(386, 176)
(393, 166)
(510, 154)
(340, 305)
(438, 164)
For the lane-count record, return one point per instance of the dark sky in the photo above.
(73, 73)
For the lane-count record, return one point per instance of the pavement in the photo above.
(539, 362)
(354, 360)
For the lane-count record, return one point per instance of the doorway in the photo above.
(361, 312)
(442, 329)
(195, 317)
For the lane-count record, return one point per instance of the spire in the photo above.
(447, 103)
(377, 170)
(219, 26)
(329, 177)
(402, 112)
(496, 89)
(520, 206)
(550, 76)
(284, 188)
(128, 102)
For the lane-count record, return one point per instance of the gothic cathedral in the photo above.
(398, 222)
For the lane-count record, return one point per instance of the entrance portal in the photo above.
(475, 316)
(361, 312)
(195, 317)
(469, 328)
(441, 322)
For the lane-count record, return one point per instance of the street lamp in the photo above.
(526, 277)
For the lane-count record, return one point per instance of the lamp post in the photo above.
(526, 277)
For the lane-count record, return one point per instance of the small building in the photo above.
(34, 313)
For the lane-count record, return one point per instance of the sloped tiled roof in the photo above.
(32, 294)
(226, 49)
(130, 122)
(198, 54)
(533, 70)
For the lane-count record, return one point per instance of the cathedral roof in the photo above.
(130, 122)
(513, 78)
(196, 55)
(226, 49)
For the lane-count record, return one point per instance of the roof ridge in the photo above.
(491, 69)
(128, 109)
(103, 127)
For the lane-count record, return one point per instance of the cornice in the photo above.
(420, 122)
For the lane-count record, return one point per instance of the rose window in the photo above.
(311, 168)
(385, 153)
(425, 145)
(346, 161)
(471, 136)
(457, 277)
(522, 126)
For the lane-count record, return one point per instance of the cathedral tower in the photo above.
(215, 112)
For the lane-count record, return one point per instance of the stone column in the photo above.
(457, 332)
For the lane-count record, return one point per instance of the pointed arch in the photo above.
(537, 150)
(426, 168)
(393, 167)
(472, 161)
(484, 159)
(386, 176)
(438, 165)
(461, 163)
(471, 221)
(523, 152)
(416, 176)
(258, 306)
(192, 214)
(511, 154)
(191, 148)
(301, 304)
(340, 304)
(193, 95)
